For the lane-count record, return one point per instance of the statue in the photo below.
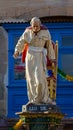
(41, 112)
(35, 39)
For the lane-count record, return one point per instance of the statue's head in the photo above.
(35, 23)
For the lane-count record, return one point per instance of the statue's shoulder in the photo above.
(43, 27)
(29, 28)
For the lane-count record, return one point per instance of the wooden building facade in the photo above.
(61, 29)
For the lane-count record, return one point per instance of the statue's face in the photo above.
(35, 26)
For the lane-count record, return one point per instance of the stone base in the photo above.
(41, 120)
(41, 116)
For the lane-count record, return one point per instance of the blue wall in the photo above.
(17, 89)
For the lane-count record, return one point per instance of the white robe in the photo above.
(35, 67)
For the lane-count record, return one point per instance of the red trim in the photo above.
(24, 52)
(43, 27)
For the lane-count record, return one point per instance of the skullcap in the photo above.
(35, 19)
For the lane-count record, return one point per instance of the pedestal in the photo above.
(41, 117)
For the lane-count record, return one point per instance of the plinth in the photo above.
(40, 117)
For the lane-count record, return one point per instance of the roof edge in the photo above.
(45, 19)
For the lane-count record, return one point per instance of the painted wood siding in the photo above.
(17, 89)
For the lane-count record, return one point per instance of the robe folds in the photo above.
(35, 62)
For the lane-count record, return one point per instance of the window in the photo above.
(19, 67)
(67, 63)
(66, 55)
(67, 41)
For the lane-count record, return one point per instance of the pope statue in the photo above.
(35, 38)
